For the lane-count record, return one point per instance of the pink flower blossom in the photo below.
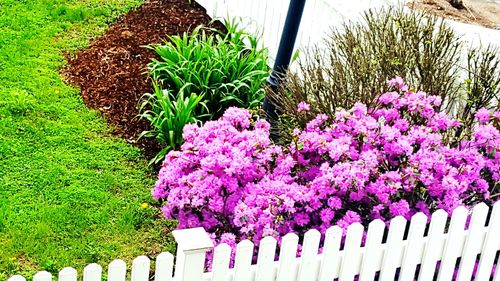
(483, 115)
(303, 106)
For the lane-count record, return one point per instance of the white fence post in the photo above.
(192, 245)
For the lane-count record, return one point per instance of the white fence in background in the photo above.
(267, 17)
(406, 248)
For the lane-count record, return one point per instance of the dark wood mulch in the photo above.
(111, 72)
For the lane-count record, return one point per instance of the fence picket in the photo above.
(42, 276)
(67, 274)
(117, 270)
(16, 278)
(331, 256)
(473, 243)
(434, 246)
(92, 272)
(414, 249)
(490, 247)
(265, 259)
(140, 269)
(352, 252)
(394, 250)
(220, 264)
(164, 267)
(454, 244)
(288, 254)
(308, 261)
(243, 261)
(373, 251)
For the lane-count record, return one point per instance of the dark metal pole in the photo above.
(285, 51)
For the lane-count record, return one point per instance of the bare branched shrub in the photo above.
(359, 58)
(481, 88)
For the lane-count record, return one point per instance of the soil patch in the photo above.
(111, 72)
(480, 12)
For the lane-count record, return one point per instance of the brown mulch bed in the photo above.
(111, 72)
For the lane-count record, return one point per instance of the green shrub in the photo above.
(198, 76)
(359, 58)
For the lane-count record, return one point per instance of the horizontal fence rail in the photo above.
(469, 239)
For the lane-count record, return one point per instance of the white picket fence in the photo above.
(406, 248)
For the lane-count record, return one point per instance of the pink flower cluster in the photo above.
(232, 180)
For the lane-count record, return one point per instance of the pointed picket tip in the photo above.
(312, 239)
(398, 220)
(164, 256)
(42, 276)
(439, 212)
(68, 274)
(333, 230)
(290, 236)
(480, 208)
(223, 247)
(355, 227)
(312, 233)
(376, 223)
(117, 263)
(141, 260)
(92, 272)
(460, 211)
(419, 216)
(93, 267)
(268, 240)
(16, 278)
(245, 243)
(67, 270)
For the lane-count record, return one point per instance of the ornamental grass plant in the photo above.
(217, 69)
(168, 113)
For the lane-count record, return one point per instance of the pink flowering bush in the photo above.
(365, 164)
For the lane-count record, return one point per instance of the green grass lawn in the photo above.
(70, 192)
